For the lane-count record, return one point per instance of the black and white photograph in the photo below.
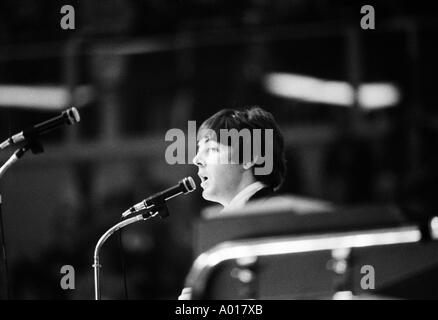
(218, 154)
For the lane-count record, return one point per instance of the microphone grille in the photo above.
(189, 184)
(72, 115)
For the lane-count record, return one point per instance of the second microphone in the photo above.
(184, 186)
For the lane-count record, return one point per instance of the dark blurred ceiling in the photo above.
(30, 20)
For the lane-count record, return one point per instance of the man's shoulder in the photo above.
(265, 201)
(273, 202)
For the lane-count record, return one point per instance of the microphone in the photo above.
(69, 116)
(184, 186)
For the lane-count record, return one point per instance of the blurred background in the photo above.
(357, 109)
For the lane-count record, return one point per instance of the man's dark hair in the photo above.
(252, 118)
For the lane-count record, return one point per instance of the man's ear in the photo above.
(250, 164)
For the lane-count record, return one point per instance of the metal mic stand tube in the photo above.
(104, 237)
(36, 147)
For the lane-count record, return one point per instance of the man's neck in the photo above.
(241, 198)
(245, 183)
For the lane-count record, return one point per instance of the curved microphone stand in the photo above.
(105, 236)
(36, 148)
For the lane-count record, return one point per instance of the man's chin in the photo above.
(208, 196)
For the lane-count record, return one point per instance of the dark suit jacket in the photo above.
(264, 193)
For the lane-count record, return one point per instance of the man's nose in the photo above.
(198, 160)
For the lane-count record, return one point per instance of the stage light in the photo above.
(50, 98)
(371, 96)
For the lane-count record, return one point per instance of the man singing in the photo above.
(235, 168)
(236, 172)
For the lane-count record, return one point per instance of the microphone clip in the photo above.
(159, 205)
(33, 145)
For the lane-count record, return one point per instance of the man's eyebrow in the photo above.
(202, 139)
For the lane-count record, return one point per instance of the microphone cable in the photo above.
(123, 263)
(4, 255)
(2, 229)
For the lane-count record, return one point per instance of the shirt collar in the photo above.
(244, 195)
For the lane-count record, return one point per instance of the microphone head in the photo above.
(188, 184)
(72, 115)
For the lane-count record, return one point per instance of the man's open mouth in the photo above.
(203, 178)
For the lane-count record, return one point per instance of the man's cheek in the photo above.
(224, 158)
(212, 159)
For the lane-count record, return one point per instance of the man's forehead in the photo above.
(205, 140)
